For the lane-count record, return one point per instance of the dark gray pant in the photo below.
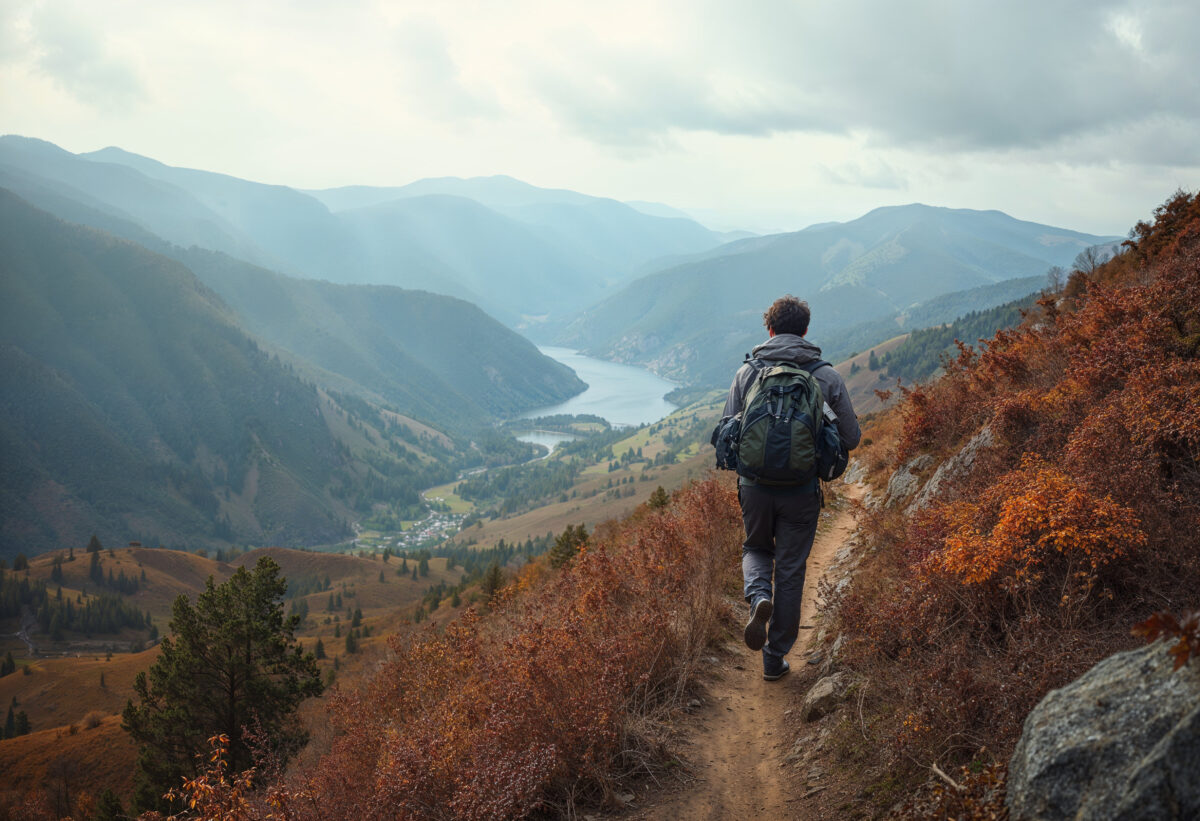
(780, 526)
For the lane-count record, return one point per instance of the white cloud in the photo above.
(771, 114)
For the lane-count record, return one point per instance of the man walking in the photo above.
(781, 520)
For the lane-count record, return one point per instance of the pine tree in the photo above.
(658, 499)
(568, 544)
(231, 661)
(108, 807)
(320, 651)
(94, 545)
(493, 580)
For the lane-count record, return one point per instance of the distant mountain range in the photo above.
(694, 320)
(521, 253)
(137, 404)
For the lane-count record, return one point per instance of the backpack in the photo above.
(786, 434)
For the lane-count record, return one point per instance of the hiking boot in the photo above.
(756, 628)
(771, 672)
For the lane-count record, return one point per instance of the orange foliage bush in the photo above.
(497, 719)
(1026, 523)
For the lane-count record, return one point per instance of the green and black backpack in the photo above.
(785, 434)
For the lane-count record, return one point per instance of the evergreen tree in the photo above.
(9, 665)
(493, 580)
(22, 723)
(567, 545)
(108, 807)
(658, 499)
(10, 724)
(94, 545)
(320, 651)
(231, 663)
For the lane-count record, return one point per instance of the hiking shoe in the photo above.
(773, 673)
(756, 628)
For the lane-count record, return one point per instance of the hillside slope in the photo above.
(135, 407)
(1043, 498)
(694, 320)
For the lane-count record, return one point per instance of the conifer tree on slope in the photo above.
(231, 664)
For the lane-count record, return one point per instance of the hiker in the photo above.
(781, 518)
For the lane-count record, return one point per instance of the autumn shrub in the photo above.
(1079, 518)
(92, 720)
(543, 707)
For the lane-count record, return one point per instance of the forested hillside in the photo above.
(433, 357)
(923, 352)
(135, 407)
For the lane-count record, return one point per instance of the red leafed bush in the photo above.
(499, 718)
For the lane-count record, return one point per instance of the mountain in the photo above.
(137, 406)
(519, 251)
(436, 358)
(121, 192)
(693, 320)
(431, 357)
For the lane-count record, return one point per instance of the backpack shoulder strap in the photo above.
(813, 365)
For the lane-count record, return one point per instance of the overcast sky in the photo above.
(763, 115)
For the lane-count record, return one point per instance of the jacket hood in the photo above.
(787, 348)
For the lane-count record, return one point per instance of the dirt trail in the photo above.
(741, 733)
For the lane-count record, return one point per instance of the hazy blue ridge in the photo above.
(694, 320)
(131, 398)
(518, 251)
(438, 359)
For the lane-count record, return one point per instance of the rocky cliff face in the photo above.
(1120, 742)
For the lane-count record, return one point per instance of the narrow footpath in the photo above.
(746, 726)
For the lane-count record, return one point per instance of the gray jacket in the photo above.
(797, 349)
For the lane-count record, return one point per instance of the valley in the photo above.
(201, 371)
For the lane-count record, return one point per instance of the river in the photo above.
(624, 395)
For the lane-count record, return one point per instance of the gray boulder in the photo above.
(1120, 742)
(824, 697)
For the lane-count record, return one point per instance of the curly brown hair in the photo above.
(788, 315)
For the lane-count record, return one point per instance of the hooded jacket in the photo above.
(797, 349)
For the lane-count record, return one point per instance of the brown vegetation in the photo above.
(1078, 522)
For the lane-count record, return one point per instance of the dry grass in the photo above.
(86, 762)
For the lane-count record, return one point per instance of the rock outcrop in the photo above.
(953, 468)
(904, 481)
(1120, 742)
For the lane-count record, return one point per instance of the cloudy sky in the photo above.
(764, 115)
